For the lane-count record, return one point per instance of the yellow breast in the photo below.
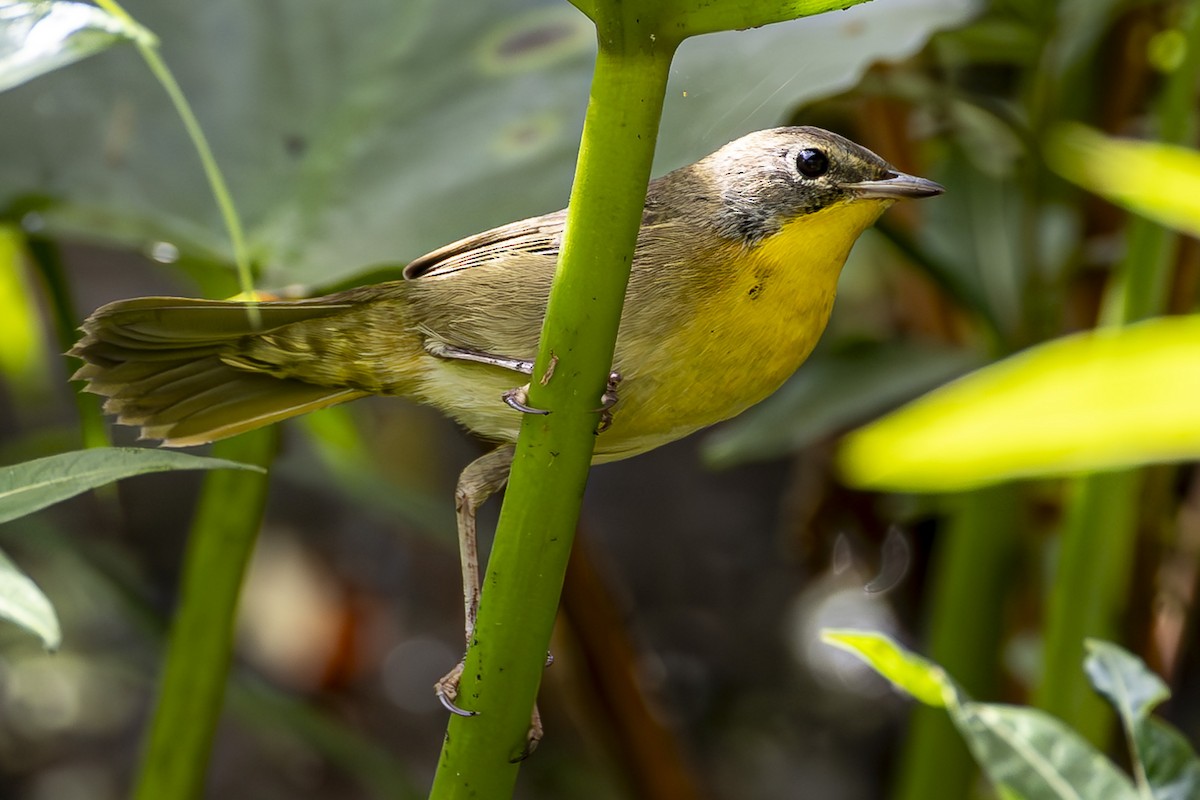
(746, 336)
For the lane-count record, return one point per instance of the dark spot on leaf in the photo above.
(295, 145)
(524, 41)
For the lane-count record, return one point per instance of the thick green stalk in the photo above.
(1095, 562)
(537, 524)
(973, 565)
(200, 642)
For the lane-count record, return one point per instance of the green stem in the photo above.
(1089, 592)
(1095, 562)
(973, 565)
(48, 260)
(200, 642)
(537, 523)
(147, 45)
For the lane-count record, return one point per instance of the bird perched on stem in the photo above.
(732, 283)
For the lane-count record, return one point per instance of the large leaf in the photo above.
(1105, 399)
(369, 132)
(834, 391)
(33, 485)
(1159, 181)
(39, 37)
(22, 602)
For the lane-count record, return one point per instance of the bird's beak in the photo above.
(897, 186)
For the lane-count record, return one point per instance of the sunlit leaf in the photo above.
(922, 679)
(23, 351)
(1025, 753)
(1159, 181)
(39, 37)
(367, 133)
(22, 602)
(33, 485)
(1037, 756)
(1104, 399)
(832, 392)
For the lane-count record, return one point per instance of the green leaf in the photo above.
(33, 485)
(39, 37)
(1158, 181)
(1169, 761)
(1131, 688)
(1038, 757)
(834, 391)
(22, 602)
(1025, 753)
(1117, 397)
(922, 679)
(366, 133)
(1124, 680)
(1163, 760)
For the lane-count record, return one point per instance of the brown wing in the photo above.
(537, 236)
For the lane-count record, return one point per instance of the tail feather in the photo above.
(169, 365)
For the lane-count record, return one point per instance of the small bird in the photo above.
(732, 283)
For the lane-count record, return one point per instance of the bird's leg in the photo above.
(482, 478)
(443, 350)
(514, 398)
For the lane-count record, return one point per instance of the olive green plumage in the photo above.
(732, 283)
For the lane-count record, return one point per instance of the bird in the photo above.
(732, 282)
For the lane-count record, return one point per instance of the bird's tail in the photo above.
(167, 365)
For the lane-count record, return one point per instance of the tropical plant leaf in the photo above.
(367, 133)
(1164, 761)
(1026, 753)
(1158, 181)
(1124, 680)
(1038, 757)
(1169, 761)
(1110, 398)
(22, 602)
(33, 485)
(39, 37)
(921, 678)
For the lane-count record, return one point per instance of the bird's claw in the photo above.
(446, 690)
(607, 401)
(519, 399)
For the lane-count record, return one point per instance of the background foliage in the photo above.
(689, 663)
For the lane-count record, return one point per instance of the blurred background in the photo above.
(688, 665)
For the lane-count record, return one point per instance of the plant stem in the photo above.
(200, 642)
(537, 523)
(973, 564)
(1095, 561)
(147, 45)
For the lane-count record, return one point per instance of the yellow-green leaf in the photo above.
(1158, 181)
(922, 679)
(1106, 399)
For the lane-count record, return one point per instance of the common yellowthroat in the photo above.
(733, 281)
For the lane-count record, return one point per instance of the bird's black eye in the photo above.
(812, 163)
